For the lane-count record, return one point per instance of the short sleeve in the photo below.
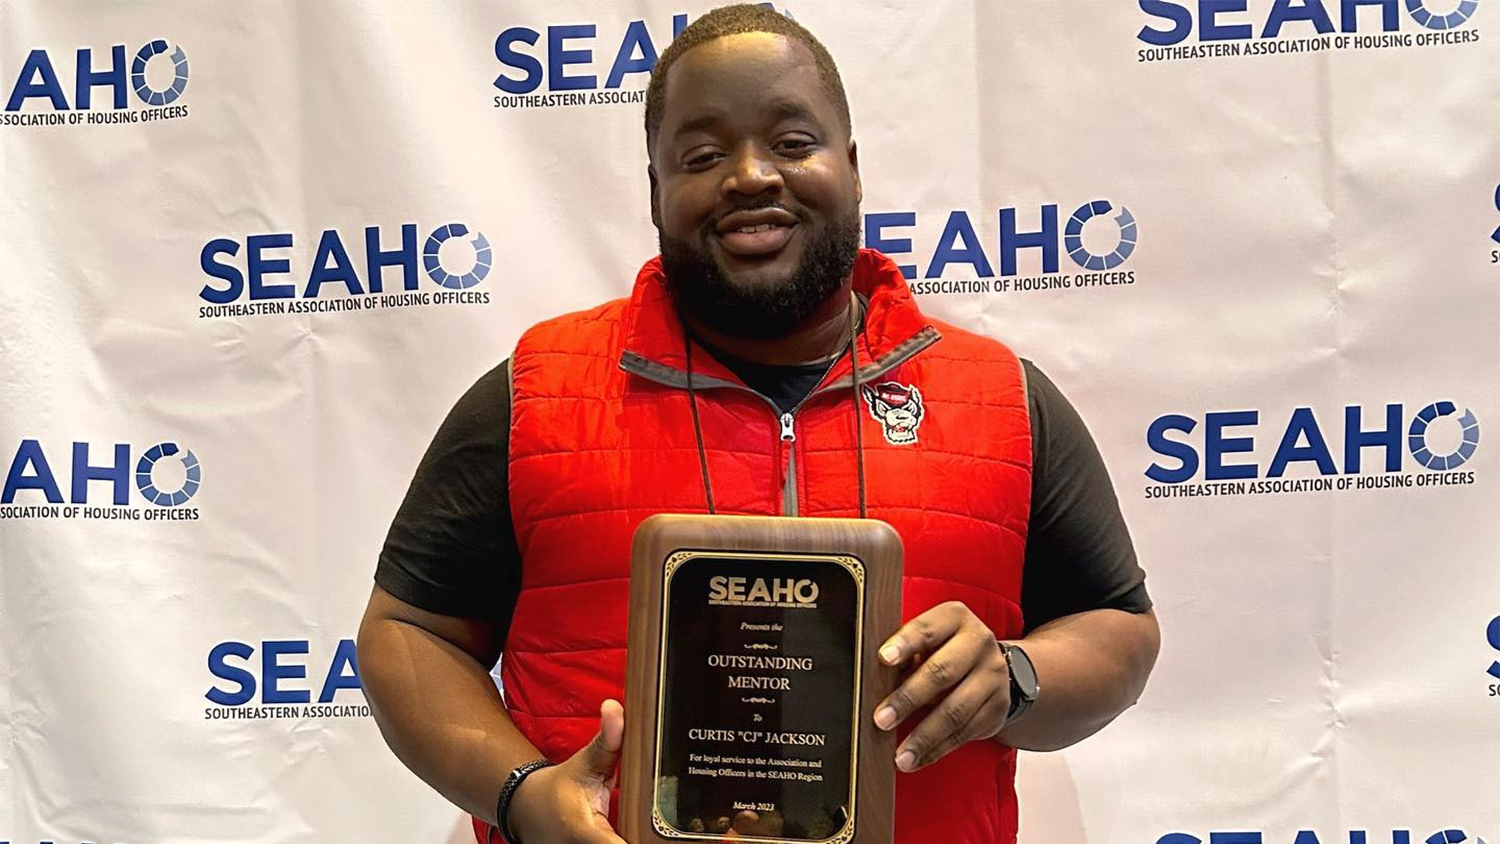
(1079, 556)
(451, 549)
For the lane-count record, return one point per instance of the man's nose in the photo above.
(752, 173)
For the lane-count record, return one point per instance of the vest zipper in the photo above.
(635, 364)
(789, 485)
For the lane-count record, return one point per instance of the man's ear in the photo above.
(655, 195)
(859, 191)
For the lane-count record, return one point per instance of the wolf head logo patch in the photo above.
(898, 409)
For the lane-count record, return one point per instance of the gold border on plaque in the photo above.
(856, 569)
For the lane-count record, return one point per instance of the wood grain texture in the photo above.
(875, 543)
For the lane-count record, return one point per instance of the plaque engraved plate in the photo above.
(752, 677)
(759, 696)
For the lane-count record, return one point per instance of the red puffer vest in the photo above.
(602, 437)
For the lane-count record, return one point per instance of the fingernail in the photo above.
(906, 761)
(890, 653)
(885, 718)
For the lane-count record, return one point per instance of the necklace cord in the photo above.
(708, 487)
(859, 438)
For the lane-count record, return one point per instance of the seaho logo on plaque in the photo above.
(775, 591)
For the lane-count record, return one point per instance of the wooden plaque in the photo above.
(752, 680)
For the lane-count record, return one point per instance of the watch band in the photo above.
(508, 792)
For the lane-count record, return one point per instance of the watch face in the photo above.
(1022, 671)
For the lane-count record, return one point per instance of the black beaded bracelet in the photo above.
(508, 791)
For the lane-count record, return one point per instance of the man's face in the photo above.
(754, 186)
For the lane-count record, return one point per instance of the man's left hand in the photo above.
(960, 671)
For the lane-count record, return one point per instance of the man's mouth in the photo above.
(764, 231)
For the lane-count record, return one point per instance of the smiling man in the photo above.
(765, 365)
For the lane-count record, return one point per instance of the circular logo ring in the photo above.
(1453, 20)
(434, 266)
(148, 488)
(144, 90)
(1073, 236)
(1416, 437)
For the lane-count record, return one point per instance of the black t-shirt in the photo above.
(452, 547)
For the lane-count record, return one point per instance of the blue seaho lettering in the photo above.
(233, 663)
(30, 455)
(88, 78)
(959, 242)
(1216, 445)
(37, 79)
(377, 260)
(1181, 19)
(637, 37)
(224, 272)
(343, 658)
(875, 238)
(1012, 241)
(636, 54)
(558, 57)
(505, 51)
(218, 665)
(342, 271)
(1357, 439)
(331, 263)
(272, 672)
(1303, 424)
(1215, 21)
(119, 473)
(261, 266)
(1493, 634)
(1495, 235)
(1186, 456)
(948, 252)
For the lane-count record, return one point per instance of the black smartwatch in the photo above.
(1023, 685)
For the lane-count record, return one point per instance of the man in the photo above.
(727, 383)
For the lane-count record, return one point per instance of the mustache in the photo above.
(712, 225)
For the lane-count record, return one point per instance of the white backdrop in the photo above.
(1314, 189)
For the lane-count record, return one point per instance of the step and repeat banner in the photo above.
(251, 253)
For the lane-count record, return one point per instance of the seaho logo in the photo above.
(1220, 456)
(273, 685)
(453, 257)
(1098, 237)
(165, 476)
(1492, 633)
(561, 64)
(1495, 235)
(100, 89)
(1217, 29)
(1308, 836)
(779, 591)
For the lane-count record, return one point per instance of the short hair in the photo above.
(736, 20)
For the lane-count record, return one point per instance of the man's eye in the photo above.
(794, 146)
(702, 159)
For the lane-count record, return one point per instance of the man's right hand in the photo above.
(569, 803)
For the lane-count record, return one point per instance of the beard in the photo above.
(764, 311)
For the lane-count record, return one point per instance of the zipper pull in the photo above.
(787, 434)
